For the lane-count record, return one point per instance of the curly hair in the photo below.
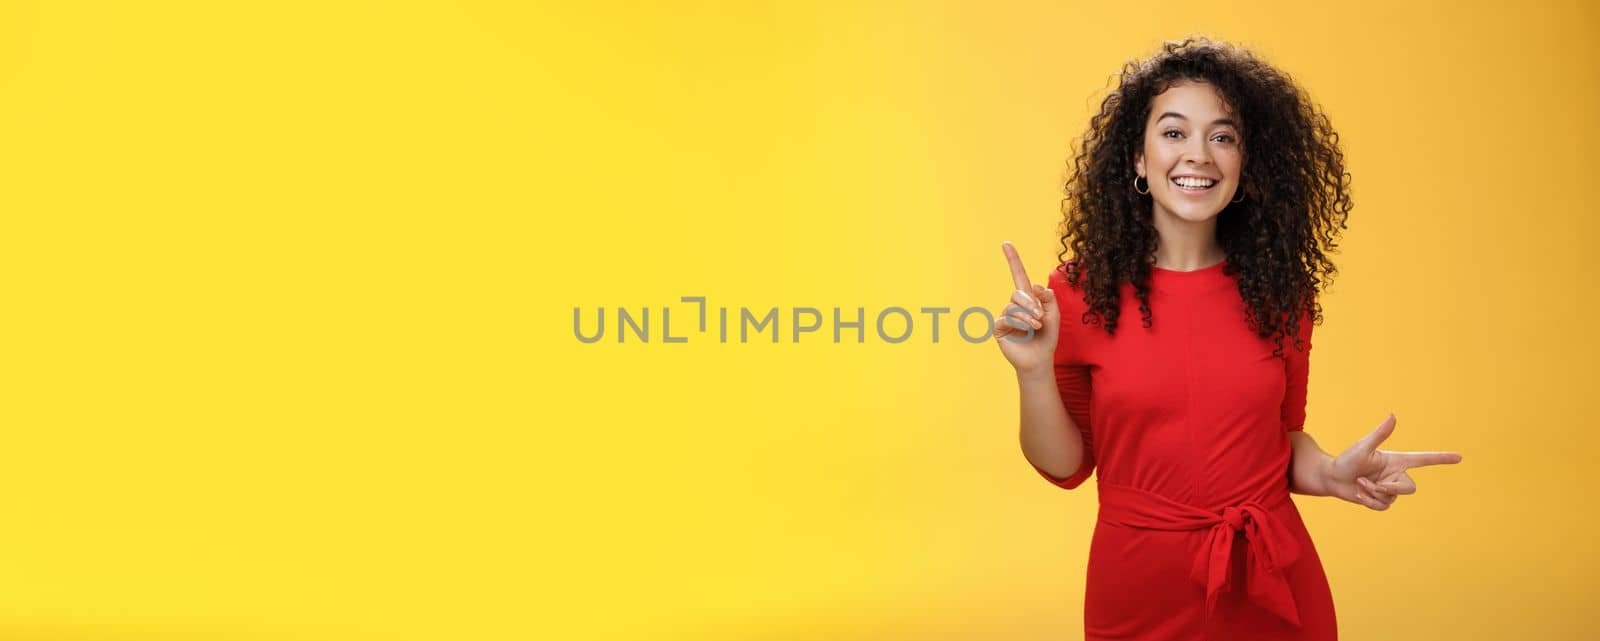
(1297, 194)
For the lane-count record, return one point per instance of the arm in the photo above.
(1051, 440)
(1309, 466)
(1362, 474)
(1054, 385)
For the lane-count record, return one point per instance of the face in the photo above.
(1192, 153)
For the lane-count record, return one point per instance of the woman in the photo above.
(1202, 200)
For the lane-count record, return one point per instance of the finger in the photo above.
(1027, 301)
(1024, 316)
(1373, 490)
(1419, 459)
(1002, 324)
(1017, 324)
(1002, 329)
(1367, 500)
(1399, 484)
(1043, 294)
(1373, 439)
(1019, 276)
(1047, 299)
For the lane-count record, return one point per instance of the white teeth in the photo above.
(1194, 183)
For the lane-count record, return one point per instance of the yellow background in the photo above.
(288, 293)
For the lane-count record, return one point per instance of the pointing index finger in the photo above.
(1019, 276)
(1421, 459)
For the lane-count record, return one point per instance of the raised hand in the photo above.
(1368, 476)
(1028, 327)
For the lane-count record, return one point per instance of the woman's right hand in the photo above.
(1030, 324)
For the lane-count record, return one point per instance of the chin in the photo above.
(1194, 213)
(1200, 217)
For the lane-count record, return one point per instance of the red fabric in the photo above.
(1186, 425)
(1272, 547)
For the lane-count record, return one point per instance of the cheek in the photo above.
(1232, 164)
(1159, 157)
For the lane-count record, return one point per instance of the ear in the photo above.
(1138, 163)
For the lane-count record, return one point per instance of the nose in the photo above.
(1197, 153)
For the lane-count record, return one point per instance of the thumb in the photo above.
(1379, 434)
(1047, 301)
(1044, 294)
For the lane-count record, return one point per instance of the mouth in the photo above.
(1194, 186)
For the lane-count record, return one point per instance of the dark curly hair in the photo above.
(1296, 191)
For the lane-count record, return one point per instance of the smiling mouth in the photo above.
(1194, 185)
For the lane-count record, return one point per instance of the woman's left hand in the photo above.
(1368, 476)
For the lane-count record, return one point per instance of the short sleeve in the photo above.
(1072, 375)
(1297, 369)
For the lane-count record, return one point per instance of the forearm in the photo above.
(1050, 439)
(1309, 466)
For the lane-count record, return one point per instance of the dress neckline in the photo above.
(1216, 265)
(1195, 280)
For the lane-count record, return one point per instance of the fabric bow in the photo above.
(1271, 545)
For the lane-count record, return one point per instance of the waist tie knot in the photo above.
(1234, 517)
(1271, 546)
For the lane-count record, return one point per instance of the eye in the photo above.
(1225, 137)
(1171, 131)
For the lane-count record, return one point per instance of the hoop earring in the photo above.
(1146, 191)
(1241, 197)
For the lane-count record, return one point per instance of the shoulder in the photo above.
(1058, 278)
(1069, 296)
(1061, 283)
(1077, 337)
(1305, 323)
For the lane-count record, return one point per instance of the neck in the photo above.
(1186, 245)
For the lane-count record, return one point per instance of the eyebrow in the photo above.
(1219, 121)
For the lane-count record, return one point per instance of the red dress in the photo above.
(1188, 422)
